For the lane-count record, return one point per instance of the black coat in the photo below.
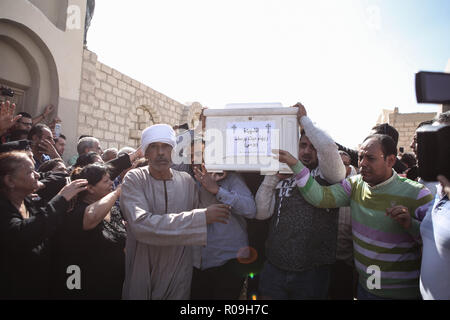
(24, 247)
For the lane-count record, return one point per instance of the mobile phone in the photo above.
(57, 130)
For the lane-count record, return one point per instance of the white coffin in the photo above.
(243, 139)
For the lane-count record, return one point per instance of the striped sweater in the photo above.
(378, 240)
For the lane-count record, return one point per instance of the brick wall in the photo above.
(406, 124)
(115, 108)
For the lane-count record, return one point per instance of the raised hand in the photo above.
(73, 188)
(48, 109)
(206, 179)
(49, 149)
(218, 213)
(52, 125)
(7, 119)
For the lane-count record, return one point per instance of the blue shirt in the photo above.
(38, 161)
(435, 231)
(228, 241)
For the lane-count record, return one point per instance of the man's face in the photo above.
(307, 154)
(109, 155)
(159, 156)
(374, 168)
(23, 124)
(60, 146)
(46, 135)
(96, 148)
(346, 160)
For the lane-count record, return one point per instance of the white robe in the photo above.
(160, 235)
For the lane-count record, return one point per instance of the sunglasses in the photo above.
(26, 123)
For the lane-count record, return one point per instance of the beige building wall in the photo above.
(41, 49)
(405, 123)
(115, 108)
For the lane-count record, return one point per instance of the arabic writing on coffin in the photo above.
(249, 138)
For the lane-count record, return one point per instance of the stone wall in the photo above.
(406, 124)
(115, 108)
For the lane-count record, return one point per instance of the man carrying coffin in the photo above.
(301, 247)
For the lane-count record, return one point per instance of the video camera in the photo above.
(6, 92)
(20, 145)
(433, 141)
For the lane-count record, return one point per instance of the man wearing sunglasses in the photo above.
(11, 123)
(24, 123)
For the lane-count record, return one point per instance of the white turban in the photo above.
(158, 133)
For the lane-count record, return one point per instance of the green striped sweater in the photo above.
(380, 243)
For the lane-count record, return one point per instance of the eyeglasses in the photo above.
(26, 123)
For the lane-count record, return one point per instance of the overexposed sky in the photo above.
(344, 60)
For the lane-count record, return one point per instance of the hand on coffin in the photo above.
(285, 157)
(301, 111)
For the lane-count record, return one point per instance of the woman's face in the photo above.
(60, 167)
(102, 188)
(25, 179)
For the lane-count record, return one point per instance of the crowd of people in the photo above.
(131, 224)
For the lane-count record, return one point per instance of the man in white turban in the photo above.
(163, 224)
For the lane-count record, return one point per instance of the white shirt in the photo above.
(435, 270)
